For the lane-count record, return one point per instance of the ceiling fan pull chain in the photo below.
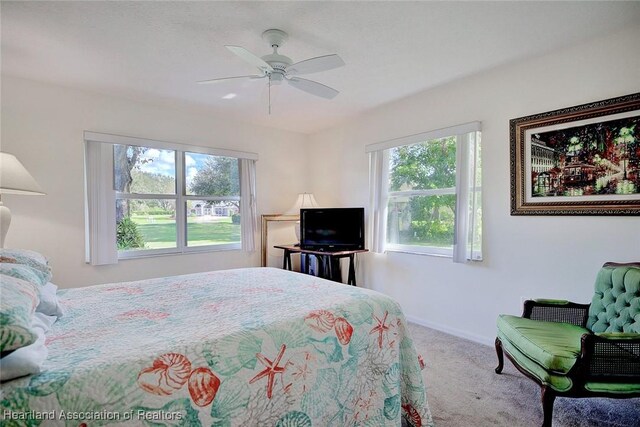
(269, 94)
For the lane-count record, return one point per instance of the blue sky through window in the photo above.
(162, 162)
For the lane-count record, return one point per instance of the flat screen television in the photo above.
(332, 229)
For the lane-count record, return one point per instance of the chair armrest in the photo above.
(556, 311)
(618, 335)
(610, 357)
(551, 301)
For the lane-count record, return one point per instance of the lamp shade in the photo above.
(14, 178)
(305, 200)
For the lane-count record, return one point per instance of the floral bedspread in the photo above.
(245, 347)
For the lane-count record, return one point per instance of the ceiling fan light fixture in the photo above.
(276, 78)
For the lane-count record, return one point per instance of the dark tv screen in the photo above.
(332, 228)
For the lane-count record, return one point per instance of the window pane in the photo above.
(212, 223)
(208, 175)
(475, 217)
(421, 220)
(423, 166)
(143, 170)
(146, 224)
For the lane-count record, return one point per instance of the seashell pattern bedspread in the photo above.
(245, 347)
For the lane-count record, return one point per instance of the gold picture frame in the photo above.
(582, 160)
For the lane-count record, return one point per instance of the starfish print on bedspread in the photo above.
(270, 370)
(381, 328)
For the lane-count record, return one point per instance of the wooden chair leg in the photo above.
(500, 356)
(548, 397)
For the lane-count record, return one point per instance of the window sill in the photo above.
(417, 252)
(431, 254)
(420, 250)
(126, 255)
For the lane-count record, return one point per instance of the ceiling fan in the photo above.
(278, 68)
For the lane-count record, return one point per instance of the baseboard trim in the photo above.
(452, 331)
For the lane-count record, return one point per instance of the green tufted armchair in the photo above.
(579, 350)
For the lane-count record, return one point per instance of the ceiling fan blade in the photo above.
(314, 65)
(313, 88)
(230, 78)
(250, 58)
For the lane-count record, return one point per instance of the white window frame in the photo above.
(464, 190)
(100, 195)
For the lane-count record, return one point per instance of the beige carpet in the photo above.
(464, 391)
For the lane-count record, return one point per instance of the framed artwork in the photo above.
(277, 229)
(582, 160)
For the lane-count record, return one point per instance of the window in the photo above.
(144, 180)
(426, 193)
(165, 198)
(213, 182)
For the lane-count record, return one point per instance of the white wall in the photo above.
(553, 257)
(43, 126)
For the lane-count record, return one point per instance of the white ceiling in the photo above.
(155, 51)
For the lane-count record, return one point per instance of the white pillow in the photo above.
(29, 359)
(49, 303)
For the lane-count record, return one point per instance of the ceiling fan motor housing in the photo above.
(278, 63)
(276, 38)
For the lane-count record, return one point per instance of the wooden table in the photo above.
(330, 260)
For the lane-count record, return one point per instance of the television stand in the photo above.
(328, 260)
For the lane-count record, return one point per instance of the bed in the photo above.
(244, 347)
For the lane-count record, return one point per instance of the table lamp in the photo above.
(14, 179)
(305, 200)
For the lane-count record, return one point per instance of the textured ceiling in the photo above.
(155, 51)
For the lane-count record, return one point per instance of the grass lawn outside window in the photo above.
(159, 231)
